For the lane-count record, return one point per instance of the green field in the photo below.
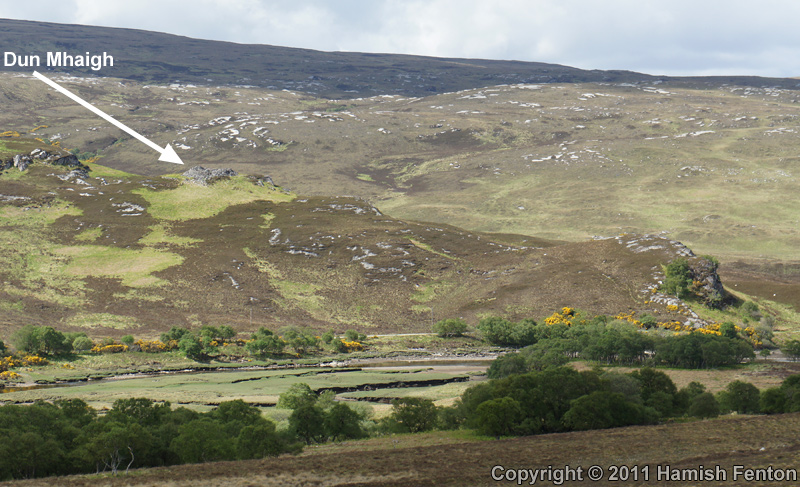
(205, 389)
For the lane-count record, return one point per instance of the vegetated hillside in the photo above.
(711, 166)
(155, 57)
(115, 251)
(760, 442)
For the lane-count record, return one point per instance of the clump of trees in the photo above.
(69, 437)
(615, 343)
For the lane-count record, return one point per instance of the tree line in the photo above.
(610, 342)
(69, 437)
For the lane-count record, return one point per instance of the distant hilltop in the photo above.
(164, 58)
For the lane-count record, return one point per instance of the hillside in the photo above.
(708, 162)
(154, 57)
(113, 251)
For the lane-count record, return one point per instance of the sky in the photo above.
(660, 37)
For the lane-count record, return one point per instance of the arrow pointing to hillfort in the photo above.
(167, 153)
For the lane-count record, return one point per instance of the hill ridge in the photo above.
(155, 57)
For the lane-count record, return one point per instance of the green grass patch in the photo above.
(89, 235)
(301, 295)
(133, 267)
(428, 248)
(428, 292)
(263, 265)
(160, 234)
(268, 217)
(103, 320)
(100, 171)
(190, 201)
(364, 177)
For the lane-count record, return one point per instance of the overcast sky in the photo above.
(673, 37)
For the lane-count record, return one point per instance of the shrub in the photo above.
(704, 405)
(677, 277)
(263, 342)
(354, 336)
(452, 327)
(505, 333)
(499, 417)
(174, 333)
(127, 340)
(505, 365)
(741, 397)
(191, 347)
(792, 349)
(82, 344)
(412, 415)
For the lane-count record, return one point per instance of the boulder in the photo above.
(22, 161)
(204, 177)
(69, 161)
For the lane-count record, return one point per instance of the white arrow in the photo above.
(167, 153)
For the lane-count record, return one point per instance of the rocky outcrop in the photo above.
(204, 177)
(706, 283)
(23, 161)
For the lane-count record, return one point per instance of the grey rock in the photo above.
(204, 177)
(22, 162)
(70, 161)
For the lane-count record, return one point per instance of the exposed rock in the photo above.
(706, 282)
(204, 177)
(22, 161)
(78, 175)
(70, 161)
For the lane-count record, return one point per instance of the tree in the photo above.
(792, 349)
(413, 414)
(728, 330)
(741, 397)
(704, 405)
(499, 417)
(603, 409)
(259, 440)
(297, 395)
(451, 327)
(684, 397)
(138, 410)
(300, 340)
(26, 339)
(653, 381)
(499, 331)
(677, 277)
(191, 346)
(772, 401)
(226, 332)
(263, 342)
(354, 336)
(202, 440)
(112, 444)
(505, 365)
(307, 422)
(342, 423)
(175, 333)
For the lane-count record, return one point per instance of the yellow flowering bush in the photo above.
(113, 348)
(353, 346)
(565, 316)
(10, 375)
(154, 346)
(33, 360)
